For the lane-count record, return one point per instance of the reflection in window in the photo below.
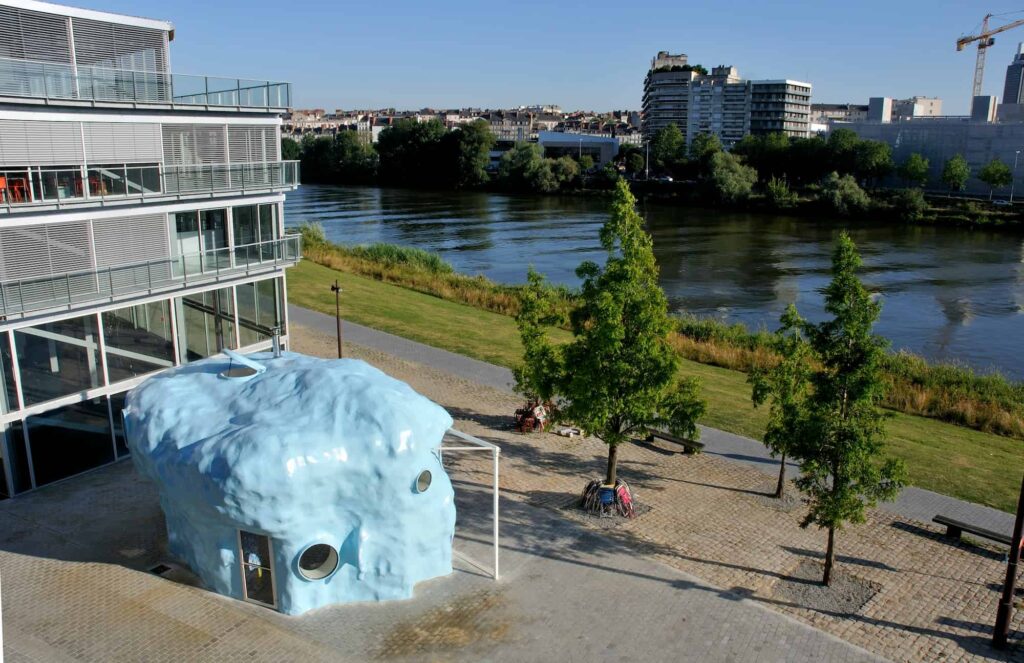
(107, 181)
(70, 440)
(257, 567)
(259, 310)
(8, 393)
(206, 323)
(15, 455)
(138, 340)
(58, 358)
(214, 226)
(185, 245)
(117, 417)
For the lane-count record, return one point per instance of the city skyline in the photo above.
(579, 57)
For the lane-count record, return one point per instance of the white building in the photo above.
(141, 227)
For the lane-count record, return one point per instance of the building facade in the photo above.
(141, 227)
(1013, 89)
(721, 102)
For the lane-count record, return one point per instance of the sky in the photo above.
(593, 55)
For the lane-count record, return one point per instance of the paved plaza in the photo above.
(697, 577)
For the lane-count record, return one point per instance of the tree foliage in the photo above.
(290, 150)
(778, 193)
(618, 375)
(668, 149)
(471, 146)
(786, 384)
(955, 173)
(914, 170)
(730, 180)
(996, 175)
(910, 205)
(839, 441)
(843, 195)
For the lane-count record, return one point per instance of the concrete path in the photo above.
(915, 503)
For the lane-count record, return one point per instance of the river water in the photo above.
(947, 294)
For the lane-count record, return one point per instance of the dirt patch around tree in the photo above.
(844, 597)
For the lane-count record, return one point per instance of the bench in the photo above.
(689, 446)
(954, 528)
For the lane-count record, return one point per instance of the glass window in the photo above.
(70, 440)
(143, 179)
(8, 394)
(60, 183)
(58, 358)
(268, 229)
(15, 186)
(107, 180)
(258, 310)
(15, 455)
(257, 567)
(214, 226)
(246, 229)
(138, 340)
(117, 416)
(186, 246)
(206, 323)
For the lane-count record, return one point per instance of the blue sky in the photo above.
(409, 54)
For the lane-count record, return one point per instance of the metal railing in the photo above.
(22, 296)
(41, 186)
(51, 80)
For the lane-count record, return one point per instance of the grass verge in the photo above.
(961, 462)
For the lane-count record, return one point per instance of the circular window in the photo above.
(236, 372)
(318, 561)
(423, 481)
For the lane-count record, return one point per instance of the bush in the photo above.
(778, 193)
(843, 195)
(730, 181)
(909, 205)
(391, 255)
(312, 234)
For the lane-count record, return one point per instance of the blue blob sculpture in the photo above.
(294, 481)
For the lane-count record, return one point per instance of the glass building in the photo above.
(141, 227)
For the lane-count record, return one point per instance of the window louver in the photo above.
(29, 142)
(113, 46)
(253, 143)
(36, 251)
(188, 144)
(122, 142)
(131, 239)
(31, 35)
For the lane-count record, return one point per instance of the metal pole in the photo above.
(497, 573)
(647, 162)
(1005, 611)
(336, 289)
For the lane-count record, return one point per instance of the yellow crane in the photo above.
(985, 40)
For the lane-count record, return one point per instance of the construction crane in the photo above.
(985, 40)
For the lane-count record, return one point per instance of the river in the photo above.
(948, 294)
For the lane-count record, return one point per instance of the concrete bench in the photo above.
(689, 446)
(954, 528)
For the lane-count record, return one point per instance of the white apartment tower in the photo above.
(141, 227)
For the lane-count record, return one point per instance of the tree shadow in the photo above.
(963, 544)
(843, 559)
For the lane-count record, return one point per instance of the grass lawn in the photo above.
(961, 462)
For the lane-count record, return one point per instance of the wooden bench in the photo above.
(689, 446)
(954, 528)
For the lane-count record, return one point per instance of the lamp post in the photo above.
(1013, 182)
(647, 160)
(336, 289)
(1005, 611)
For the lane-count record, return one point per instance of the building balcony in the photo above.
(82, 289)
(42, 188)
(62, 84)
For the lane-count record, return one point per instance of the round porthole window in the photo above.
(318, 561)
(423, 481)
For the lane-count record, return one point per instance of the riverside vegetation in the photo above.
(416, 294)
(840, 175)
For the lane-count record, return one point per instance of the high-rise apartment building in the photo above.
(721, 102)
(1013, 90)
(141, 227)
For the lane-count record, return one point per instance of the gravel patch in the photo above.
(845, 597)
(789, 502)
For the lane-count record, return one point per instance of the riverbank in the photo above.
(964, 463)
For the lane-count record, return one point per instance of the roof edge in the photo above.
(77, 12)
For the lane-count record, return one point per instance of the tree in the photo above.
(410, 153)
(354, 160)
(996, 175)
(910, 205)
(290, 150)
(842, 151)
(730, 181)
(914, 170)
(840, 441)
(471, 147)
(787, 385)
(668, 148)
(619, 375)
(703, 148)
(843, 195)
(778, 193)
(872, 160)
(635, 163)
(955, 173)
(566, 169)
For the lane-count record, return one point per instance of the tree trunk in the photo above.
(780, 489)
(830, 556)
(613, 453)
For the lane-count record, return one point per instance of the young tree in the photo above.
(955, 173)
(619, 375)
(703, 148)
(729, 180)
(668, 148)
(914, 170)
(996, 175)
(778, 193)
(787, 385)
(840, 442)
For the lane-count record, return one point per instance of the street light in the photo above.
(1013, 182)
(337, 311)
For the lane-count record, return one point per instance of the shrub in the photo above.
(909, 205)
(730, 180)
(843, 195)
(778, 193)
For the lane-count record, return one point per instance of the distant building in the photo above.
(983, 109)
(1013, 90)
(601, 149)
(887, 109)
(721, 102)
(829, 113)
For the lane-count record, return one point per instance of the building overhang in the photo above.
(92, 14)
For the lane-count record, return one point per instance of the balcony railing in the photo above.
(23, 296)
(56, 81)
(25, 188)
